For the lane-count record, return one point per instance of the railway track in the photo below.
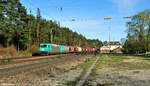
(30, 58)
(28, 67)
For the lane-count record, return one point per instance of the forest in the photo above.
(23, 30)
(138, 33)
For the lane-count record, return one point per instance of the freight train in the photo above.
(50, 49)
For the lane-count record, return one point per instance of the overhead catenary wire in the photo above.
(60, 8)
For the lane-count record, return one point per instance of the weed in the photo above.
(65, 70)
(136, 71)
(3, 61)
(57, 68)
(9, 59)
(46, 78)
(73, 67)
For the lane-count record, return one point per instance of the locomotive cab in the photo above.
(44, 48)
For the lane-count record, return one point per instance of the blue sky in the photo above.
(89, 15)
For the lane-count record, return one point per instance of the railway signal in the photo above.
(107, 18)
(127, 17)
(144, 17)
(139, 16)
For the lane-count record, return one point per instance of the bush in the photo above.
(7, 52)
(35, 50)
(11, 52)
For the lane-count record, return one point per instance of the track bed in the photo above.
(17, 73)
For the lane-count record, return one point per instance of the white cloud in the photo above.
(125, 6)
(124, 3)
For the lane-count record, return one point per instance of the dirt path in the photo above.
(121, 71)
(84, 78)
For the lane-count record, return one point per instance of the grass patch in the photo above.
(132, 65)
(73, 68)
(116, 61)
(86, 65)
(111, 62)
(5, 60)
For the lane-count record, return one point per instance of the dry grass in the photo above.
(34, 48)
(11, 52)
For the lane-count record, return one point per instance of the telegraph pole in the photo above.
(51, 35)
(30, 25)
(38, 24)
(109, 32)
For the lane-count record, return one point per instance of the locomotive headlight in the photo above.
(42, 49)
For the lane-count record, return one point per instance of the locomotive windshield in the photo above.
(43, 46)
